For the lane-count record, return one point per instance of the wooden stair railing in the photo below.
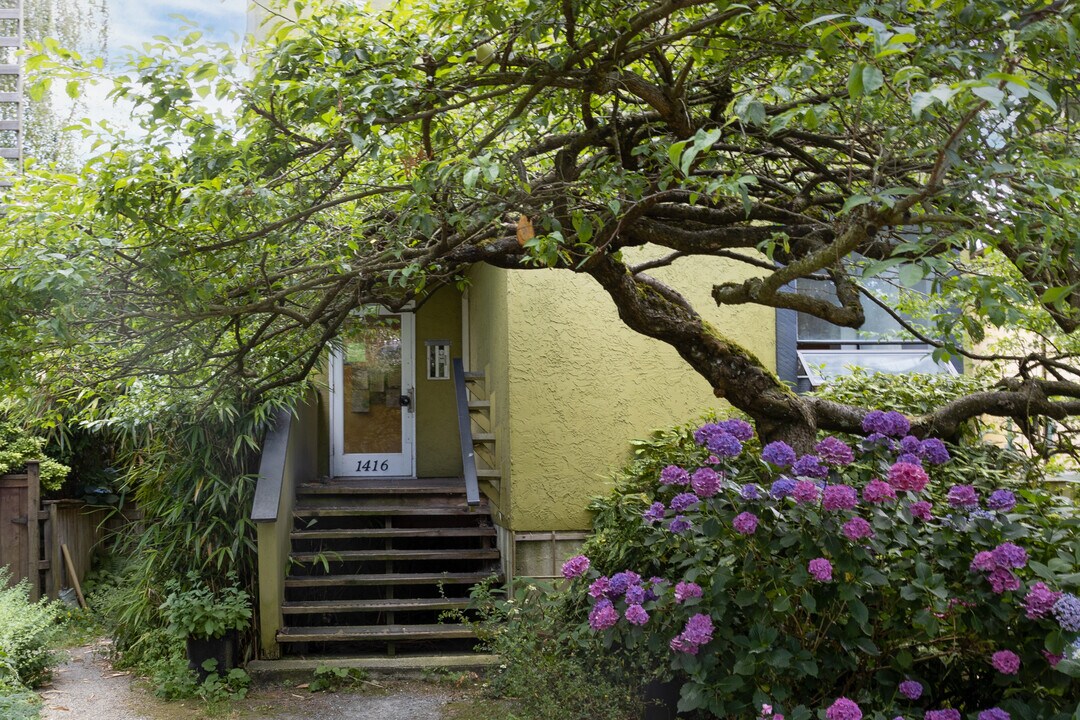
(468, 452)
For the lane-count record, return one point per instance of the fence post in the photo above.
(52, 551)
(33, 530)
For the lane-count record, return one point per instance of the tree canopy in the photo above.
(358, 157)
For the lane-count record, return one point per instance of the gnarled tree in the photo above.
(370, 158)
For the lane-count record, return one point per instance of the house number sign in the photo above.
(372, 466)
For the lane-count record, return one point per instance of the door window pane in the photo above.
(371, 385)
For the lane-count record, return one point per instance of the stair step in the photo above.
(483, 437)
(393, 533)
(345, 633)
(424, 486)
(473, 376)
(391, 605)
(488, 473)
(349, 555)
(470, 578)
(479, 404)
(369, 510)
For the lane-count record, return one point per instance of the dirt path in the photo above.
(86, 688)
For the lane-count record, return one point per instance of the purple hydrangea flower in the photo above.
(682, 501)
(806, 492)
(603, 615)
(725, 445)
(878, 491)
(679, 524)
(1052, 658)
(934, 451)
(635, 595)
(1005, 662)
(699, 629)
(889, 423)
(834, 451)
(909, 458)
(1067, 612)
(908, 476)
(745, 523)
(963, 497)
(636, 615)
(599, 587)
(843, 709)
(983, 562)
(840, 497)
(750, 491)
(1001, 500)
(778, 453)
(994, 713)
(910, 444)
(1039, 601)
(620, 582)
(1002, 580)
(810, 466)
(782, 488)
(980, 514)
(946, 714)
(575, 567)
(921, 510)
(705, 482)
(674, 475)
(738, 428)
(821, 569)
(857, 529)
(1008, 554)
(911, 689)
(686, 590)
(655, 513)
(878, 439)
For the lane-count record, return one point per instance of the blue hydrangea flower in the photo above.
(782, 488)
(1067, 612)
(810, 466)
(740, 429)
(750, 491)
(934, 451)
(1001, 500)
(778, 453)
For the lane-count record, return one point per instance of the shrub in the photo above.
(839, 576)
(26, 631)
(18, 446)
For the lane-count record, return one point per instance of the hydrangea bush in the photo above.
(878, 577)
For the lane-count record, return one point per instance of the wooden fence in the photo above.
(33, 534)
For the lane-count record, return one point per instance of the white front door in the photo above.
(372, 417)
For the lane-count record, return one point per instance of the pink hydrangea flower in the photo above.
(908, 476)
(983, 562)
(575, 567)
(1005, 662)
(599, 587)
(745, 523)
(878, 491)
(806, 492)
(636, 615)
(686, 590)
(1039, 601)
(1002, 580)
(705, 482)
(603, 615)
(843, 709)
(840, 497)
(921, 510)
(821, 569)
(857, 529)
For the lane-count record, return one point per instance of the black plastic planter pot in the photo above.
(222, 649)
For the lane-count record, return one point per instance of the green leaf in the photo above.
(855, 80)
(990, 94)
(1056, 294)
(872, 80)
(853, 202)
(1069, 667)
(911, 275)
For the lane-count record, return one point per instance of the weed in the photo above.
(332, 679)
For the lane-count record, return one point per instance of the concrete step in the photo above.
(298, 670)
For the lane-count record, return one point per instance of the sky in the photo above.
(133, 22)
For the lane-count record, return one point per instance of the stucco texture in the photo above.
(582, 384)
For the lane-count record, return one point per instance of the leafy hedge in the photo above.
(837, 584)
(26, 633)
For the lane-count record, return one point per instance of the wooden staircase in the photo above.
(384, 565)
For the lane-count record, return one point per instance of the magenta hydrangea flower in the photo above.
(741, 429)
(674, 475)
(1005, 662)
(679, 524)
(575, 567)
(705, 482)
(1008, 554)
(911, 689)
(699, 629)
(599, 587)
(878, 491)
(945, 714)
(1001, 500)
(686, 590)
(908, 476)
(857, 529)
(1002, 580)
(834, 451)
(1052, 658)
(963, 497)
(636, 615)
(745, 523)
(683, 501)
(778, 453)
(840, 497)
(983, 562)
(806, 492)
(843, 709)
(810, 466)
(994, 713)
(680, 645)
(934, 451)
(655, 513)
(821, 569)
(603, 615)
(921, 510)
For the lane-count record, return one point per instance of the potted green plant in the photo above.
(208, 620)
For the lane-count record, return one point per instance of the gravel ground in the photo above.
(85, 687)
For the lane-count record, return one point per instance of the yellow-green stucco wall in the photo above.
(579, 385)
